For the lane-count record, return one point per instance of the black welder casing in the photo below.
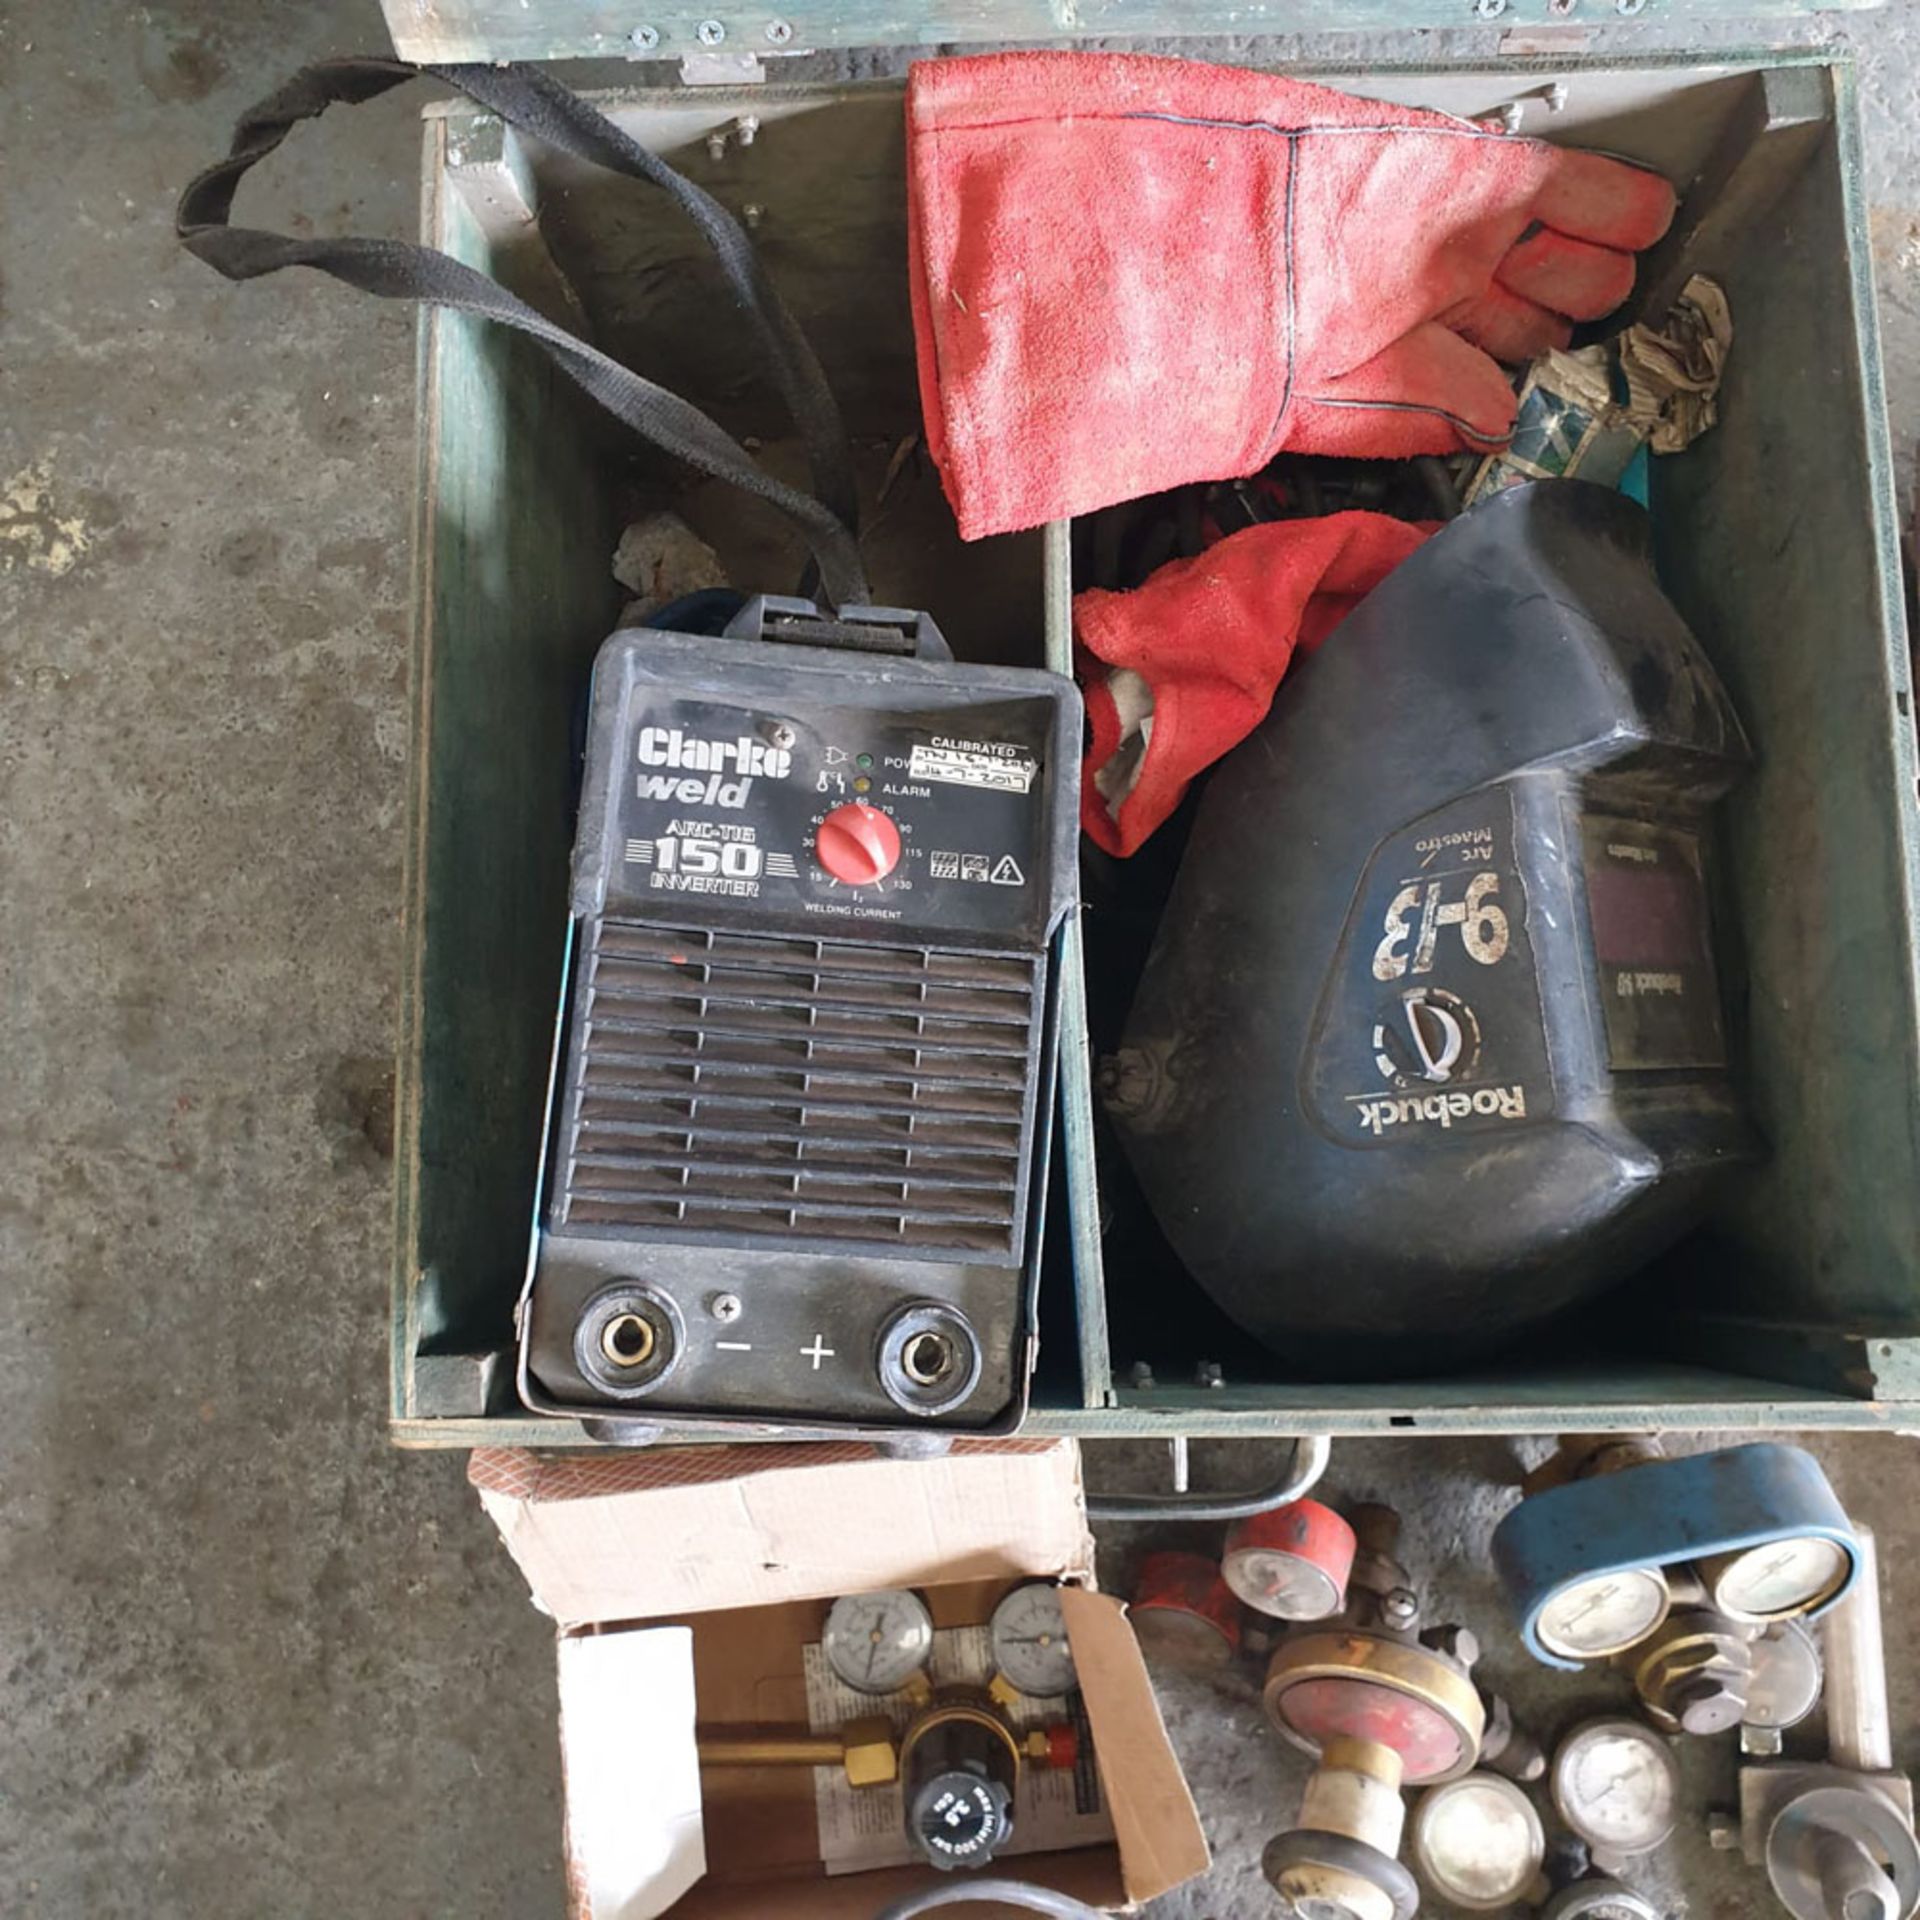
(802, 1091)
(1431, 1043)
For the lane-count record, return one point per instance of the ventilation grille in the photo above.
(804, 1090)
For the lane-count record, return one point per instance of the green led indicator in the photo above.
(863, 759)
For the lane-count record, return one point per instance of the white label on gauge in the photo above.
(973, 763)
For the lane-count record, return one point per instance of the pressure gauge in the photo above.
(1783, 1686)
(1030, 1646)
(1778, 1580)
(1616, 1786)
(1292, 1561)
(1599, 1900)
(1605, 1614)
(1183, 1612)
(1478, 1842)
(877, 1642)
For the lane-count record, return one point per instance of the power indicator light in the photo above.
(863, 759)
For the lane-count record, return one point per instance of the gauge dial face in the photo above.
(1599, 1900)
(1616, 1786)
(1785, 1680)
(1030, 1645)
(1478, 1842)
(877, 1642)
(1783, 1577)
(1590, 1619)
(1181, 1636)
(1270, 1580)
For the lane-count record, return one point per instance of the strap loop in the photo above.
(537, 104)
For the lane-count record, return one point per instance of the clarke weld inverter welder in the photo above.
(797, 1140)
(798, 1133)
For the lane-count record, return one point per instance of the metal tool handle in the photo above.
(1309, 1462)
(1853, 1883)
(1859, 1731)
(772, 1750)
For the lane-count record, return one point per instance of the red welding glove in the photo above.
(1130, 272)
(1184, 667)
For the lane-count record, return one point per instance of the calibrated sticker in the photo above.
(1430, 1021)
(1652, 945)
(999, 764)
(865, 1827)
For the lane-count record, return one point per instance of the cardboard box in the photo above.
(685, 1587)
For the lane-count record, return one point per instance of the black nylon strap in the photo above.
(393, 269)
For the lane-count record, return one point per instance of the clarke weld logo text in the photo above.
(744, 757)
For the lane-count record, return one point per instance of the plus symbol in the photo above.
(817, 1352)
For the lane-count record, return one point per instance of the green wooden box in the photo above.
(1800, 1307)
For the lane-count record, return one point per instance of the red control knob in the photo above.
(858, 844)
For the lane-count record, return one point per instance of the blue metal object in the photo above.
(1661, 1514)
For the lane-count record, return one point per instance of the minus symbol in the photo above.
(734, 1346)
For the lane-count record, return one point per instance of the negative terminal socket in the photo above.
(627, 1340)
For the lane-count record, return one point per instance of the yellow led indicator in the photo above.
(860, 786)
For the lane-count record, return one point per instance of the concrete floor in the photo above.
(255, 1661)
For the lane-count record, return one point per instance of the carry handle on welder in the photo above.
(537, 104)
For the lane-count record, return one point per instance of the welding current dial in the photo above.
(858, 844)
(877, 1642)
(1030, 1645)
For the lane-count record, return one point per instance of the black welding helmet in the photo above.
(1432, 1043)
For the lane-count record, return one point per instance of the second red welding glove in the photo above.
(1130, 272)
(1185, 666)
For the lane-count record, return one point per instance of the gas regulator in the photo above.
(954, 1751)
(1686, 1571)
(1382, 1703)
